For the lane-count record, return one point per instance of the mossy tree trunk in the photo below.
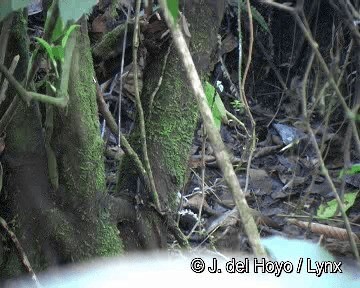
(79, 150)
(25, 195)
(170, 123)
(71, 223)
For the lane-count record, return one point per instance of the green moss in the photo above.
(81, 165)
(107, 245)
(83, 112)
(172, 124)
(110, 41)
(199, 40)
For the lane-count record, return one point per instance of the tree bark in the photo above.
(170, 123)
(25, 194)
(71, 223)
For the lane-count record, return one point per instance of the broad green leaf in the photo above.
(173, 6)
(221, 108)
(216, 105)
(46, 46)
(59, 53)
(8, 6)
(73, 10)
(50, 51)
(328, 210)
(354, 169)
(67, 34)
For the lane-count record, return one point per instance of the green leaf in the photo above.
(59, 53)
(73, 10)
(216, 105)
(173, 6)
(354, 169)
(46, 46)
(8, 6)
(328, 210)
(67, 34)
(50, 52)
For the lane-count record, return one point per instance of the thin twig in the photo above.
(141, 111)
(153, 94)
(121, 75)
(251, 43)
(10, 112)
(246, 105)
(240, 47)
(20, 251)
(324, 67)
(203, 167)
(237, 121)
(62, 95)
(111, 123)
(304, 84)
(5, 84)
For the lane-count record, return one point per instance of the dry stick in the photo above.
(203, 167)
(111, 123)
(214, 136)
(240, 47)
(27, 96)
(251, 44)
(5, 84)
(327, 117)
(346, 63)
(237, 121)
(242, 89)
(331, 105)
(304, 85)
(351, 13)
(21, 253)
(141, 111)
(121, 74)
(153, 94)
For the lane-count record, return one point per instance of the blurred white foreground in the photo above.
(163, 270)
